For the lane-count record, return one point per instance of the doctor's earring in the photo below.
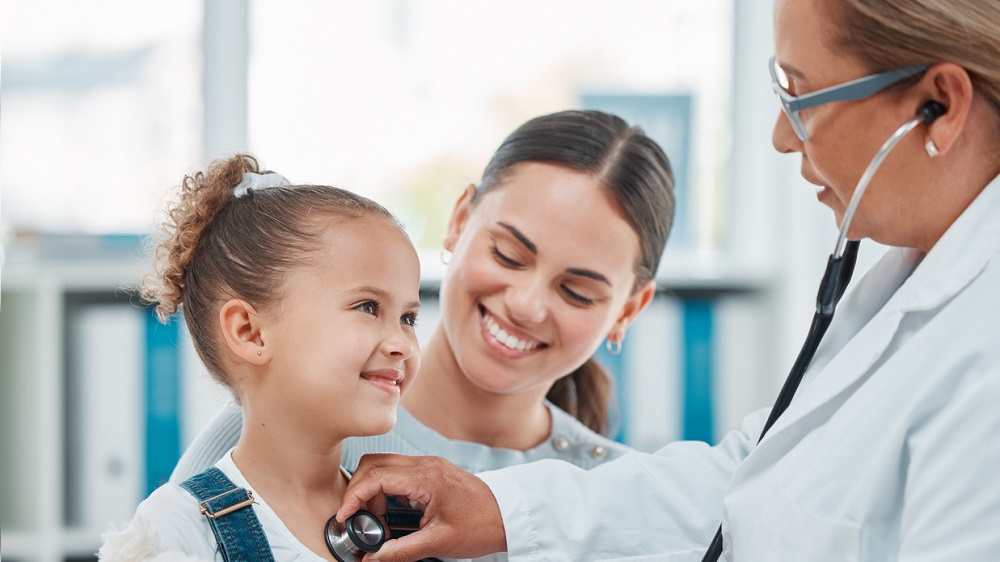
(445, 256)
(613, 347)
(931, 148)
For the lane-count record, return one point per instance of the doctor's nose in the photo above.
(783, 137)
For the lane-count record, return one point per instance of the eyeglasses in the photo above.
(848, 91)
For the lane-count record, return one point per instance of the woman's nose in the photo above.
(526, 303)
(783, 136)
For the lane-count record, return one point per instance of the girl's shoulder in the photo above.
(167, 527)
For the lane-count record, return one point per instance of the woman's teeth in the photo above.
(503, 337)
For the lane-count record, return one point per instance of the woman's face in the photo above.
(844, 136)
(542, 270)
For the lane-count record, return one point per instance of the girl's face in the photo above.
(542, 271)
(845, 135)
(341, 341)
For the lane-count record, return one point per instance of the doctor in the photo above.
(891, 448)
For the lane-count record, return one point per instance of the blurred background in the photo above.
(106, 104)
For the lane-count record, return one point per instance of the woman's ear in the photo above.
(633, 306)
(459, 216)
(950, 85)
(243, 329)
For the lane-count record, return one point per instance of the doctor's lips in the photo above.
(508, 340)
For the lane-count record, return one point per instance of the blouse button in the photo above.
(599, 453)
(560, 443)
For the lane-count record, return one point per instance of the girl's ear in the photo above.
(242, 328)
(633, 306)
(459, 216)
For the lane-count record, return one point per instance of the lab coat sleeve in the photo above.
(952, 498)
(667, 503)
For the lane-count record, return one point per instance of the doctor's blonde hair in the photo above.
(887, 34)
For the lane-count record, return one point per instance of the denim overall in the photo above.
(229, 510)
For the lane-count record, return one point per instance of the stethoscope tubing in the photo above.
(839, 269)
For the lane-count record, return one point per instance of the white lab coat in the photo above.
(890, 450)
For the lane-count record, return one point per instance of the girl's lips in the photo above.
(386, 380)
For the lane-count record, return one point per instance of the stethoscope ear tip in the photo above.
(931, 111)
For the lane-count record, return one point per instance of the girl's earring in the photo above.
(445, 256)
(259, 352)
(931, 148)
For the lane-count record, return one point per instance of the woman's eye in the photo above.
(504, 259)
(409, 319)
(577, 297)
(369, 307)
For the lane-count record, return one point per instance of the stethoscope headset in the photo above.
(839, 269)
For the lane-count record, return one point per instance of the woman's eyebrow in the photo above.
(521, 237)
(591, 274)
(534, 250)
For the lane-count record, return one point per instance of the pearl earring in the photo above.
(931, 148)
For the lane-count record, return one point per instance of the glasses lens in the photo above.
(797, 125)
(780, 78)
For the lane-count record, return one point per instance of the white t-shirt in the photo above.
(173, 514)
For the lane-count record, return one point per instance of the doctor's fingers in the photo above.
(461, 517)
(367, 490)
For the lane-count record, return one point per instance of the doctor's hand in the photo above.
(461, 516)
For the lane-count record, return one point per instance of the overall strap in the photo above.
(229, 510)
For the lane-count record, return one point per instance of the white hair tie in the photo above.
(258, 182)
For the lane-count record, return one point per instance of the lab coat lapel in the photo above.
(862, 329)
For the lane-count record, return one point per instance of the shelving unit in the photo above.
(41, 287)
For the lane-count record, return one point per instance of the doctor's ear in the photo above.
(243, 330)
(459, 216)
(951, 86)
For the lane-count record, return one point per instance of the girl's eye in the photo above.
(580, 299)
(369, 307)
(409, 319)
(504, 259)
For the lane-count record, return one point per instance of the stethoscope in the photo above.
(364, 532)
(839, 269)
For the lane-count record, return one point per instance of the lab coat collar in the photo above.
(870, 315)
(958, 256)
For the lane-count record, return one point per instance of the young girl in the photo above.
(302, 300)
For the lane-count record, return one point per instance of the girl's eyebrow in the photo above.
(534, 250)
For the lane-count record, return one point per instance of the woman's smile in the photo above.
(502, 338)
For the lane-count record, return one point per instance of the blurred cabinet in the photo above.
(94, 394)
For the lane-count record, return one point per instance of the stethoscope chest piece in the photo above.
(361, 533)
